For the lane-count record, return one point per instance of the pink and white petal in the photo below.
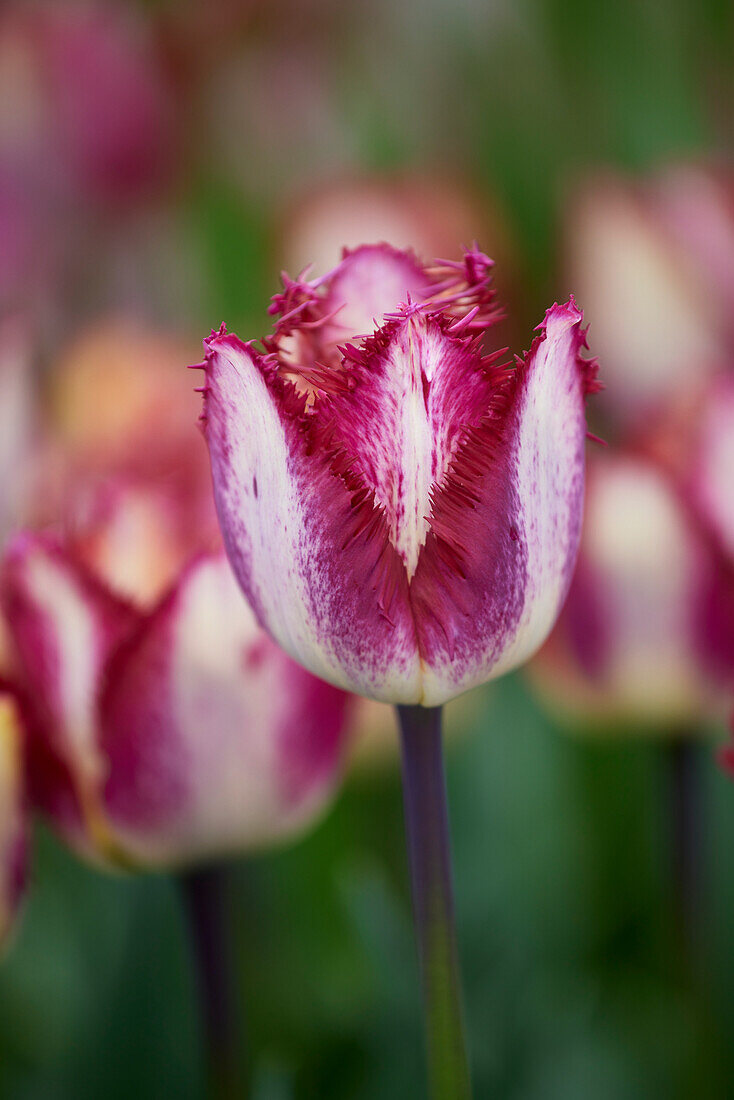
(506, 522)
(653, 314)
(63, 625)
(215, 740)
(298, 537)
(13, 816)
(370, 281)
(415, 391)
(696, 207)
(17, 421)
(636, 641)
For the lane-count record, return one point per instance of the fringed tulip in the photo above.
(646, 637)
(402, 512)
(169, 736)
(13, 834)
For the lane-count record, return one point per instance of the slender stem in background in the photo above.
(686, 824)
(204, 893)
(429, 855)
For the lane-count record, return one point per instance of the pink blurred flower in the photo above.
(164, 725)
(402, 512)
(422, 212)
(84, 104)
(653, 263)
(646, 637)
(18, 421)
(13, 824)
(167, 735)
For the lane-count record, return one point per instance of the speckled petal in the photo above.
(63, 626)
(415, 390)
(311, 551)
(506, 522)
(215, 740)
(646, 634)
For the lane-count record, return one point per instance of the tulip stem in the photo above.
(429, 856)
(685, 837)
(204, 892)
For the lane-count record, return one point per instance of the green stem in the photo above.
(429, 854)
(204, 895)
(686, 847)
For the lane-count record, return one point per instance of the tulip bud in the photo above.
(645, 637)
(168, 736)
(401, 511)
(653, 265)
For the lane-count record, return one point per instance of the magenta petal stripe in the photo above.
(64, 625)
(311, 553)
(506, 523)
(215, 740)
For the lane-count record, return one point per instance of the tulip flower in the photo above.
(167, 736)
(403, 514)
(13, 838)
(130, 570)
(646, 638)
(653, 262)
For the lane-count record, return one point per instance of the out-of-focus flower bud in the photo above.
(17, 421)
(164, 725)
(646, 637)
(426, 214)
(83, 100)
(167, 736)
(13, 825)
(653, 265)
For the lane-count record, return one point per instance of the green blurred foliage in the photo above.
(577, 983)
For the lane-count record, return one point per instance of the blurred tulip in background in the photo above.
(149, 689)
(651, 260)
(645, 637)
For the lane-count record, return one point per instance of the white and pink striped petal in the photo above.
(215, 741)
(315, 562)
(409, 529)
(647, 634)
(506, 520)
(64, 625)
